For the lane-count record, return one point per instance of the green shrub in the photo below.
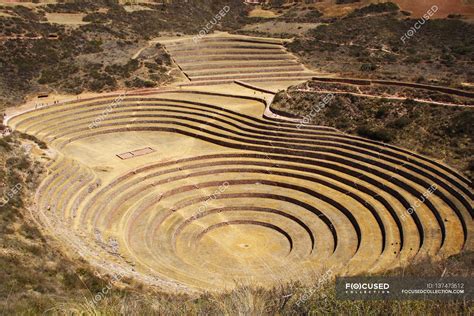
(462, 123)
(368, 67)
(313, 14)
(378, 134)
(400, 123)
(382, 112)
(5, 145)
(375, 8)
(140, 83)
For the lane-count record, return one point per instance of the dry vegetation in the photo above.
(94, 54)
(365, 41)
(368, 45)
(442, 132)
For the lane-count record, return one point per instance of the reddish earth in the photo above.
(446, 7)
(417, 7)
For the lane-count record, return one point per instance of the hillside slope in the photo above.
(71, 48)
(442, 132)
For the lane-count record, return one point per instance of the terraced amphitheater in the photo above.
(223, 58)
(193, 188)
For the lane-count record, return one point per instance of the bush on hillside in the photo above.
(384, 7)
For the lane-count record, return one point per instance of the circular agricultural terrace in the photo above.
(194, 188)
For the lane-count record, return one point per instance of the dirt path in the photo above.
(384, 97)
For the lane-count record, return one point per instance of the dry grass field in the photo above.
(261, 13)
(69, 19)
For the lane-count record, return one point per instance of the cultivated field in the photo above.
(199, 187)
(223, 58)
(66, 19)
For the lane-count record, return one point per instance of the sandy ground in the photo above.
(260, 13)
(5, 14)
(27, 4)
(134, 8)
(70, 19)
(446, 7)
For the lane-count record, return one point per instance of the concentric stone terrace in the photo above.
(223, 58)
(226, 196)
